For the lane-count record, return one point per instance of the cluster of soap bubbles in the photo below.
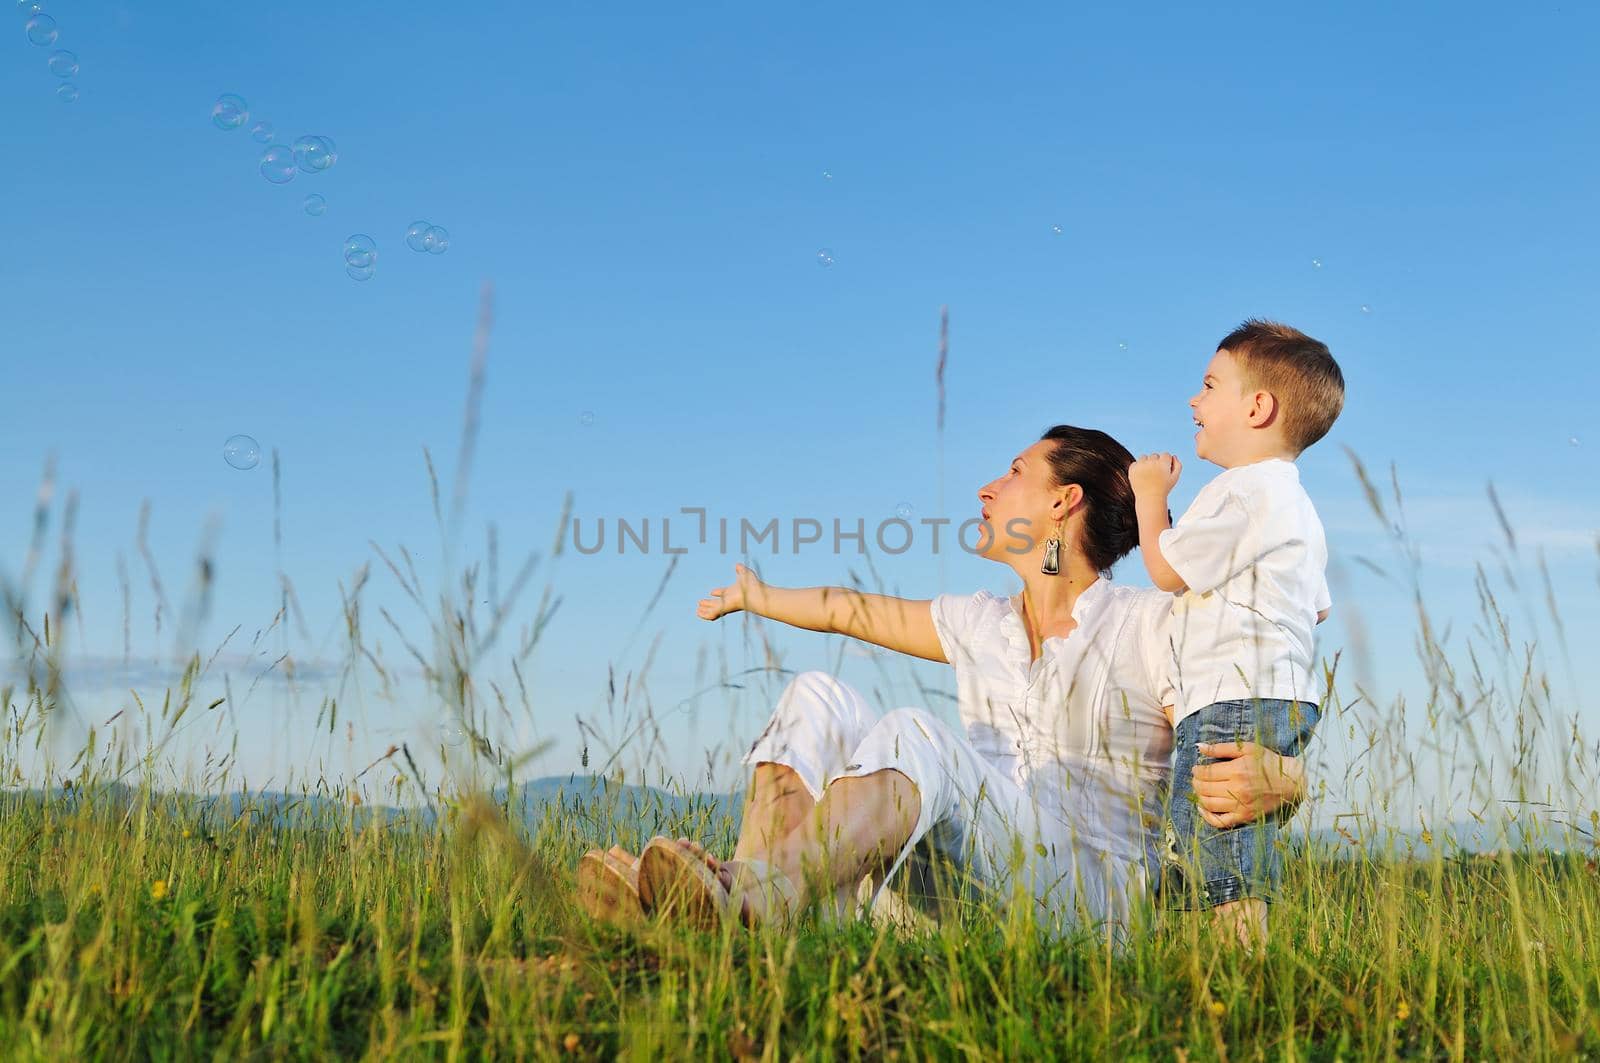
(279, 162)
(43, 32)
(241, 452)
(825, 258)
(428, 238)
(903, 510)
(360, 256)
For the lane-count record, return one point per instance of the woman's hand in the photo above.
(735, 596)
(1248, 782)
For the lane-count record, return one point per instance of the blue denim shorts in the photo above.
(1202, 866)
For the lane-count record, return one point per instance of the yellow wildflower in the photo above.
(571, 1043)
(186, 832)
(1217, 1008)
(158, 888)
(1403, 1010)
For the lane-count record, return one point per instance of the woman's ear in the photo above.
(1067, 502)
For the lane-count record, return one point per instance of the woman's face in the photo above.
(1017, 506)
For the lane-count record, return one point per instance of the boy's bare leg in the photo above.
(1246, 917)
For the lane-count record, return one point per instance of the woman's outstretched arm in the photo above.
(901, 624)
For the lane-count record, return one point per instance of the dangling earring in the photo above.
(1051, 566)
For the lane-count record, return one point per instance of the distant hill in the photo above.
(594, 806)
(570, 799)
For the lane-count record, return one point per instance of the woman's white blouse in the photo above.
(1082, 728)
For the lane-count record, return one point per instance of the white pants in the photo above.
(974, 812)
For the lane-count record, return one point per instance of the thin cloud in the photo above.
(94, 672)
(1460, 530)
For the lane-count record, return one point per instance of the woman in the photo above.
(1054, 784)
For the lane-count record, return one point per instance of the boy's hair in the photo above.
(1299, 372)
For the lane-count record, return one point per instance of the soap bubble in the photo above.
(262, 132)
(1365, 309)
(315, 205)
(360, 273)
(1316, 263)
(452, 733)
(314, 154)
(360, 251)
(67, 92)
(63, 64)
(436, 240)
(241, 452)
(1056, 229)
(586, 418)
(42, 30)
(1572, 441)
(1122, 346)
(277, 164)
(903, 510)
(825, 258)
(826, 176)
(416, 235)
(229, 112)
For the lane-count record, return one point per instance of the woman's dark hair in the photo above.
(1098, 464)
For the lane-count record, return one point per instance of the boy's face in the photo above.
(1222, 411)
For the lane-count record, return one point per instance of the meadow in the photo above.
(139, 922)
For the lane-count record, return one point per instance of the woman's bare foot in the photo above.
(754, 903)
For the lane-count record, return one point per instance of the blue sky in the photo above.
(648, 192)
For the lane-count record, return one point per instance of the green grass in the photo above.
(134, 926)
(131, 929)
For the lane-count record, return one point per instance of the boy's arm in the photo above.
(1153, 520)
(1153, 478)
(1215, 541)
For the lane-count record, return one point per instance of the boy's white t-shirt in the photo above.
(1252, 552)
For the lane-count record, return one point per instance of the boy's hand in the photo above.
(1155, 475)
(732, 598)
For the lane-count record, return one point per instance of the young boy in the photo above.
(1247, 564)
